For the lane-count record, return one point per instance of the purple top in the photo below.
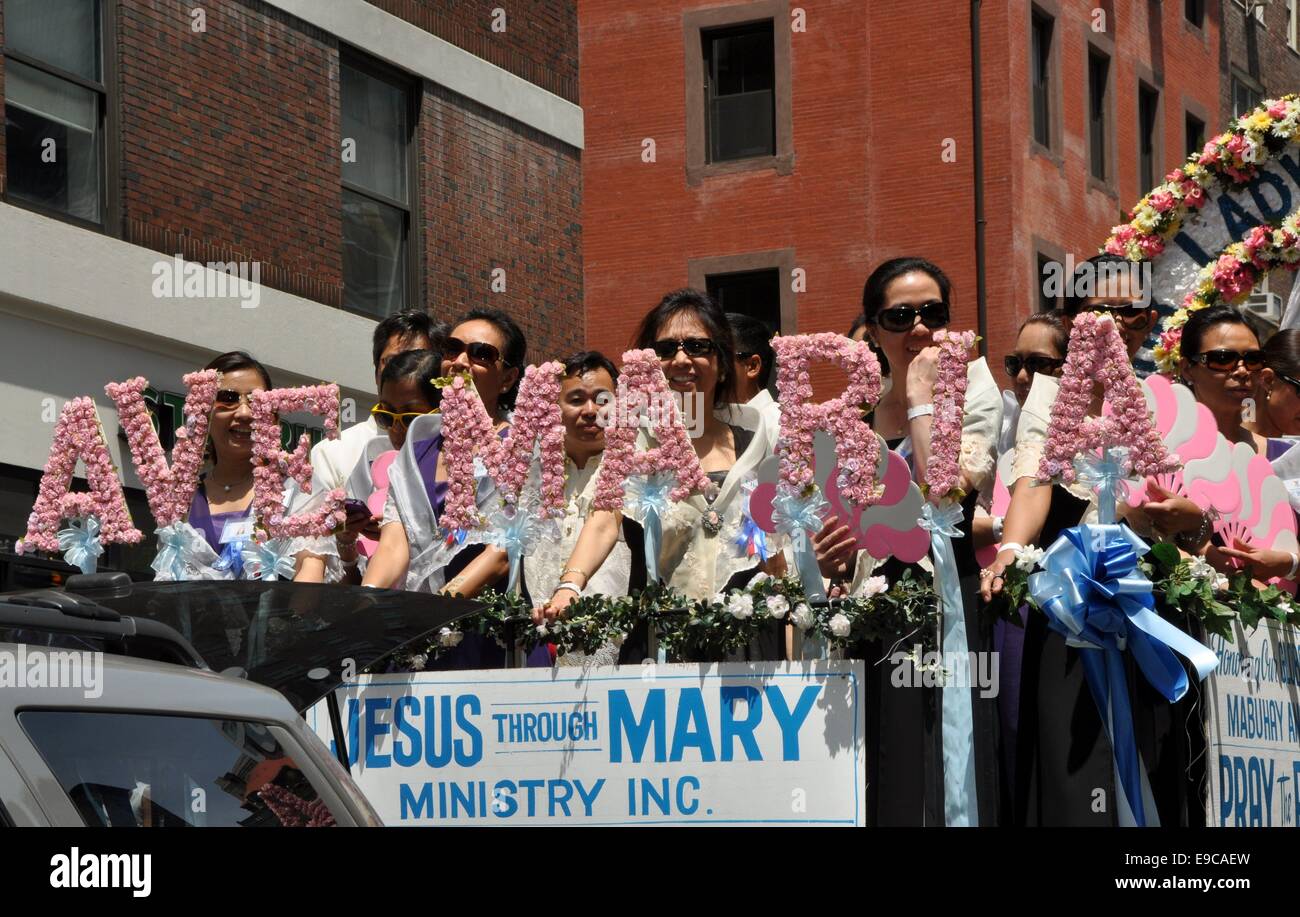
(1278, 448)
(426, 452)
(211, 525)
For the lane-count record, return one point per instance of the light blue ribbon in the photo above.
(960, 802)
(1095, 596)
(1107, 475)
(180, 548)
(267, 561)
(798, 516)
(516, 531)
(81, 545)
(647, 500)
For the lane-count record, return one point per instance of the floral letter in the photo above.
(272, 464)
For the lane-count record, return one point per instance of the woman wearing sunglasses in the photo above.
(1062, 756)
(1277, 418)
(222, 506)
(904, 301)
(698, 553)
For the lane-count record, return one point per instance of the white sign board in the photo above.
(1253, 729)
(731, 743)
(1226, 217)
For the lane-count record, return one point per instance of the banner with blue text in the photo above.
(732, 743)
(1253, 729)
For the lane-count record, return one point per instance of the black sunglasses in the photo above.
(694, 347)
(1227, 360)
(229, 398)
(1135, 318)
(479, 352)
(903, 318)
(1033, 364)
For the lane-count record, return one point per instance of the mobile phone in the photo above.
(356, 507)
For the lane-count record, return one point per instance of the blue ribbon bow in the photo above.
(752, 540)
(180, 548)
(268, 561)
(1095, 596)
(515, 530)
(960, 802)
(798, 515)
(80, 544)
(647, 499)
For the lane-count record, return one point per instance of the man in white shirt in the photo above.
(332, 460)
(754, 361)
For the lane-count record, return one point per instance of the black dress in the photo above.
(1065, 770)
(904, 731)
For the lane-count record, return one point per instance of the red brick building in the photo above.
(729, 144)
(364, 157)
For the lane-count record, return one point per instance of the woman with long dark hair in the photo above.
(694, 343)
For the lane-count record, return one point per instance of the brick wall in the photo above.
(498, 195)
(229, 140)
(229, 149)
(539, 41)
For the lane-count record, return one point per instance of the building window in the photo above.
(1047, 280)
(1253, 7)
(738, 92)
(1245, 98)
(1293, 24)
(739, 83)
(377, 189)
(1194, 12)
(753, 293)
(1194, 131)
(1041, 76)
(1148, 137)
(56, 105)
(1098, 104)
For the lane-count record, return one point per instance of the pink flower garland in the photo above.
(170, 489)
(79, 435)
(642, 382)
(1097, 353)
(466, 427)
(942, 471)
(271, 464)
(856, 445)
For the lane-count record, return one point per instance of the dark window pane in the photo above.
(1194, 11)
(1098, 74)
(1244, 98)
(1041, 41)
(62, 33)
(374, 256)
(753, 293)
(740, 95)
(1195, 132)
(1046, 303)
(1148, 104)
(142, 771)
(52, 140)
(374, 118)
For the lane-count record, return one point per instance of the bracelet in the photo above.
(586, 577)
(1011, 546)
(997, 528)
(1295, 565)
(921, 410)
(576, 589)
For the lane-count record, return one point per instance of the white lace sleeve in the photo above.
(323, 547)
(981, 424)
